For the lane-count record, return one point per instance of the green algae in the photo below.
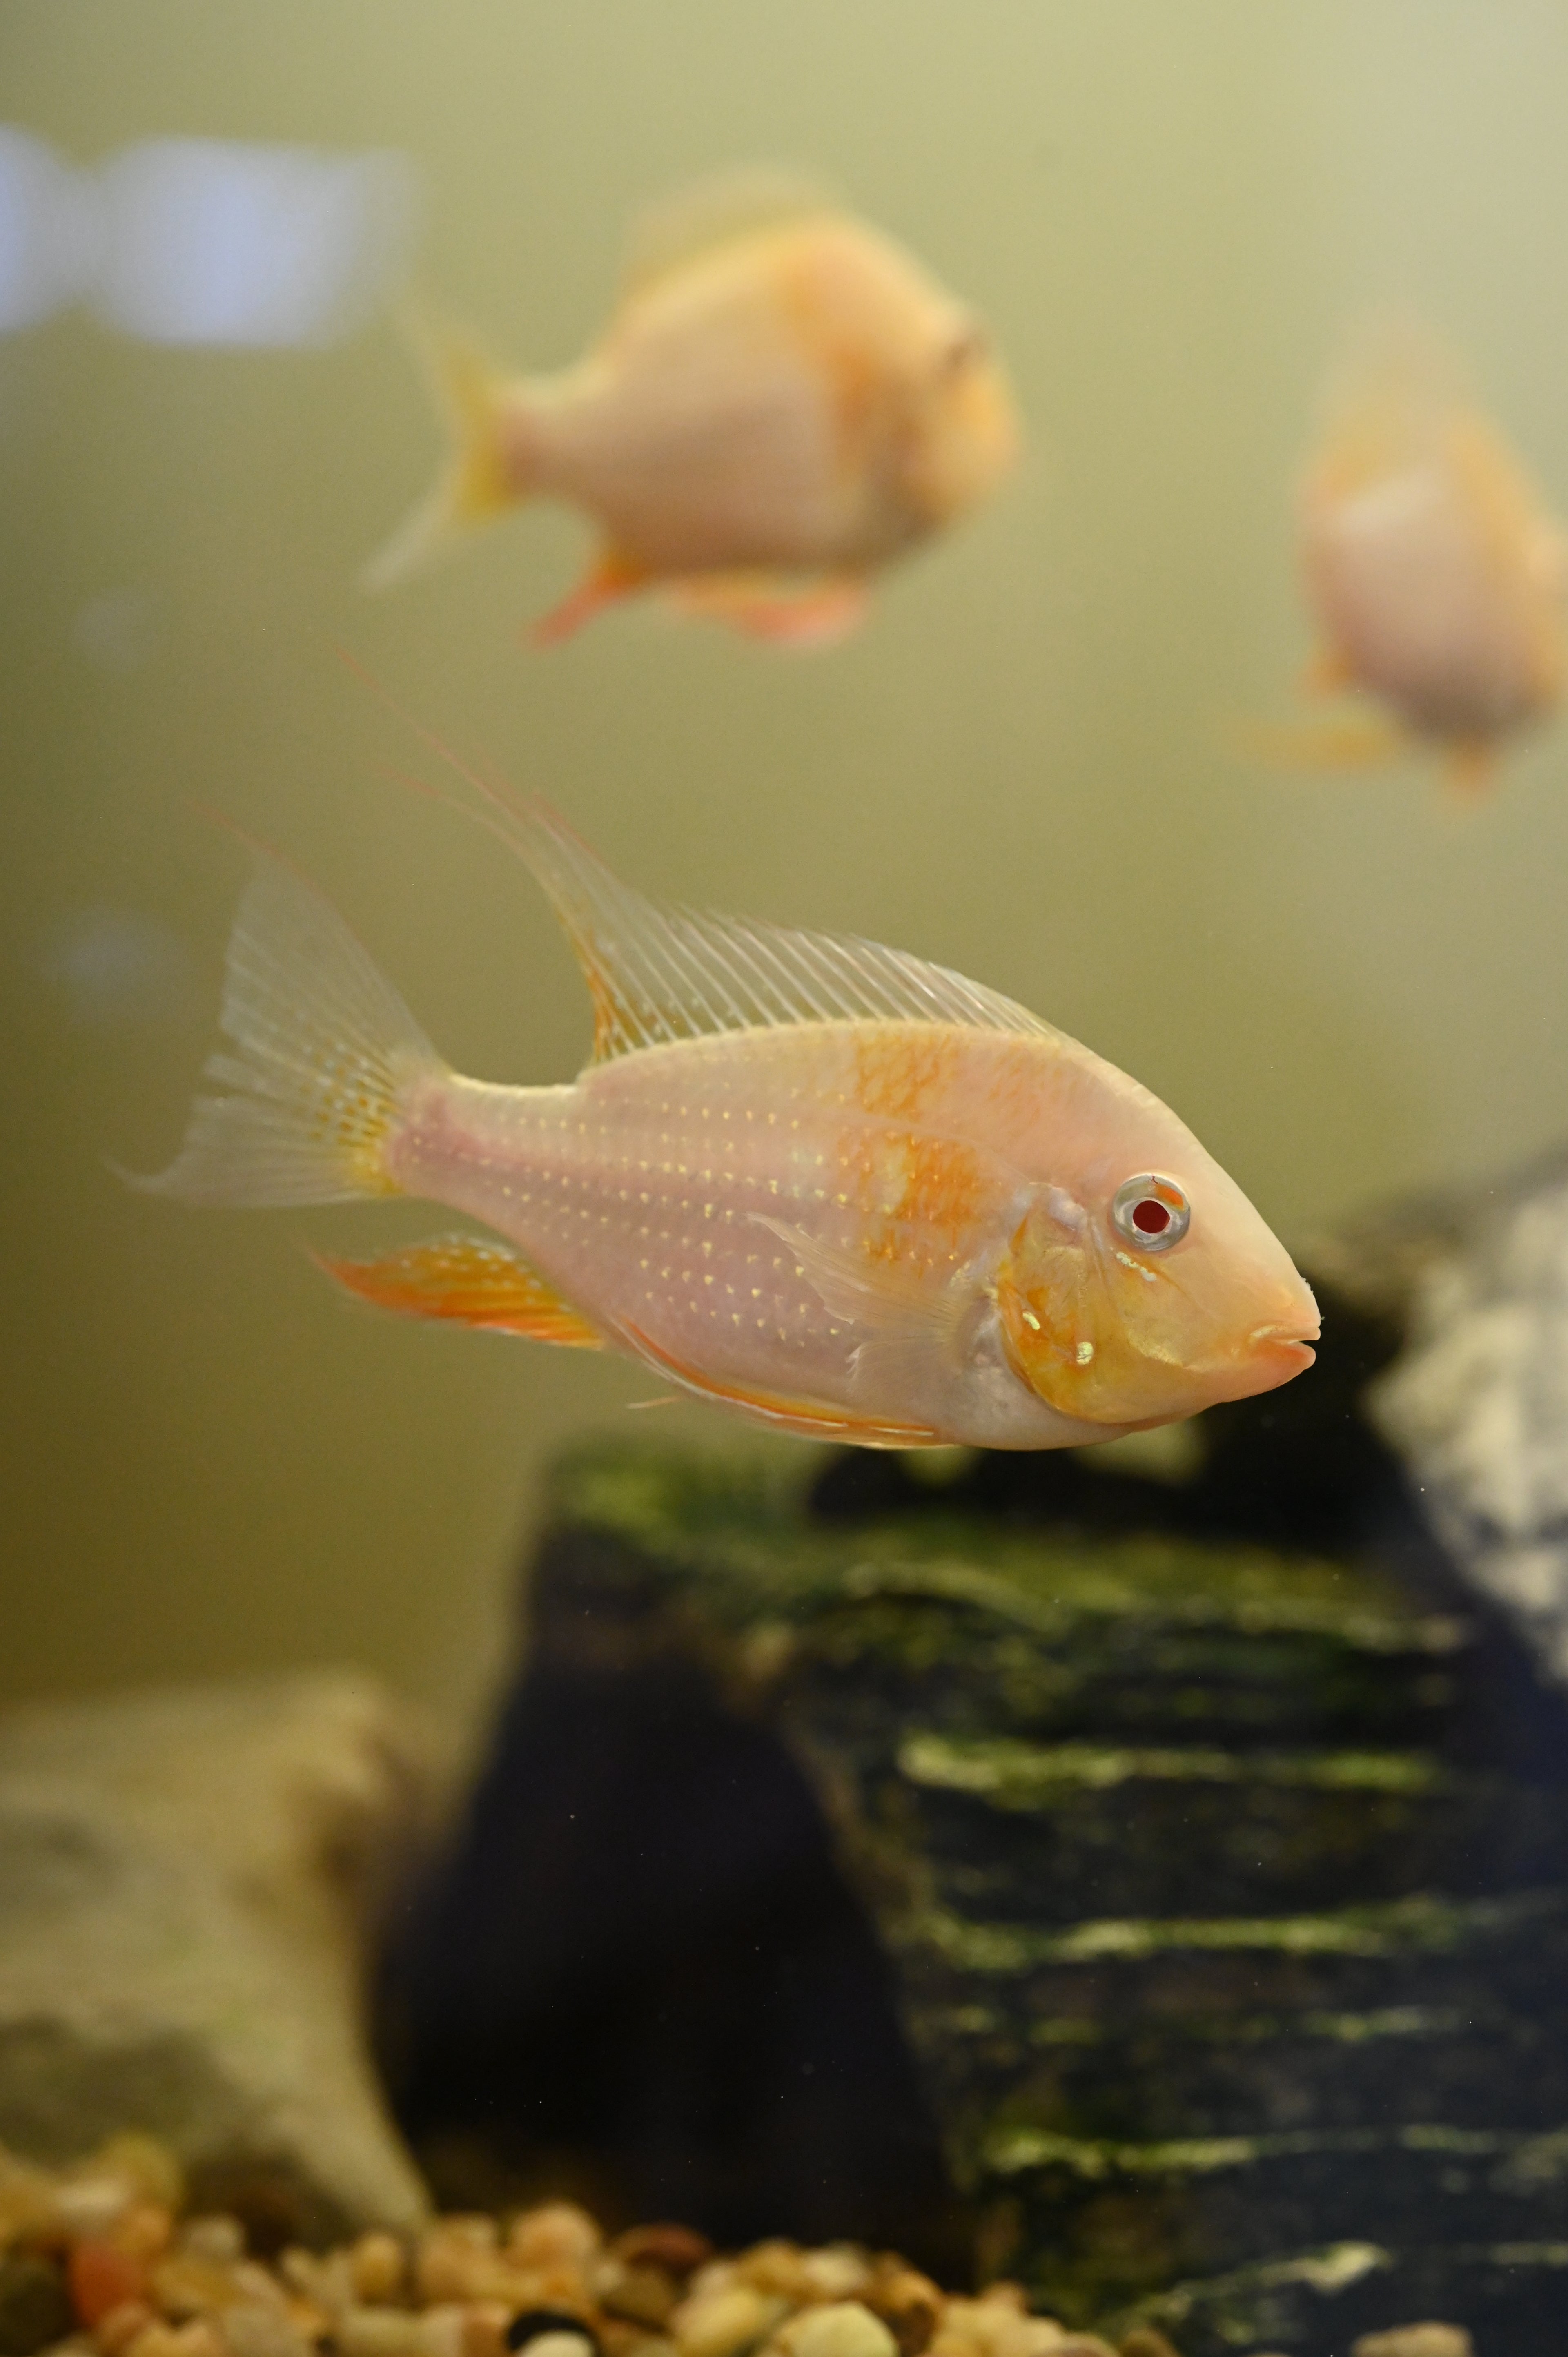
(1013, 1774)
(1423, 1922)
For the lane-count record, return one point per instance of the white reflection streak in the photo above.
(203, 241)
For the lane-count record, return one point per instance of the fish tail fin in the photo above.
(480, 477)
(327, 1051)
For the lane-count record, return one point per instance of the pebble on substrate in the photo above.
(726, 2321)
(842, 2327)
(1417, 2341)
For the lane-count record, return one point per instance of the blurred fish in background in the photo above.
(203, 241)
(783, 403)
(1433, 572)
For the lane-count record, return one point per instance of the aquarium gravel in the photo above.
(100, 2259)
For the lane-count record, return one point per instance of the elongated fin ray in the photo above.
(472, 1280)
(660, 975)
(326, 1046)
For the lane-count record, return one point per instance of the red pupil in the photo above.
(1150, 1217)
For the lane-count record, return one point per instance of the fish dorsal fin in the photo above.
(660, 975)
(669, 234)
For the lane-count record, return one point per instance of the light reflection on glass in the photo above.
(203, 241)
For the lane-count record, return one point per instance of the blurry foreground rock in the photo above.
(1477, 1405)
(189, 1881)
(1213, 1838)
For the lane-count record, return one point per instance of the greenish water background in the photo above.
(208, 1460)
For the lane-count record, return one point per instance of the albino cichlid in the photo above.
(782, 404)
(1433, 572)
(825, 1184)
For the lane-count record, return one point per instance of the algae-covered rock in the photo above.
(189, 1883)
(1225, 1905)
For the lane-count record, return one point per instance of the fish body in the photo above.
(771, 416)
(1435, 576)
(824, 1184)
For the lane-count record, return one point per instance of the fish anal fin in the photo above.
(470, 1280)
(812, 1419)
(611, 577)
(677, 230)
(776, 611)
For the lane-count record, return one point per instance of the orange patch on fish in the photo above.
(898, 1072)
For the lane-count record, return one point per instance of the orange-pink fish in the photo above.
(783, 403)
(1433, 570)
(826, 1184)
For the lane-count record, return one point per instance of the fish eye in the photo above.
(1150, 1212)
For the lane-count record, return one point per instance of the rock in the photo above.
(190, 1881)
(1478, 1404)
(1225, 1898)
(1417, 2341)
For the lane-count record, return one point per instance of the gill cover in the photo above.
(1099, 1329)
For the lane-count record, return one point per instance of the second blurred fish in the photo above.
(782, 402)
(1435, 576)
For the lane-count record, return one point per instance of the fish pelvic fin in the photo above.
(811, 1419)
(481, 477)
(610, 577)
(470, 1280)
(327, 1049)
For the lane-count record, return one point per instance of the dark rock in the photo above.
(1224, 1886)
(35, 2307)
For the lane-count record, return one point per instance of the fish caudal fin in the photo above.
(478, 481)
(326, 1050)
(472, 1280)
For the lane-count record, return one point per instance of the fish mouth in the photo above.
(1280, 1346)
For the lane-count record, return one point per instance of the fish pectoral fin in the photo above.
(473, 1281)
(881, 1297)
(812, 1419)
(611, 577)
(772, 607)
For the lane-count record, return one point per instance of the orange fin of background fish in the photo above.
(1471, 768)
(1327, 673)
(1363, 743)
(811, 1419)
(669, 234)
(609, 579)
(470, 1280)
(476, 483)
(818, 615)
